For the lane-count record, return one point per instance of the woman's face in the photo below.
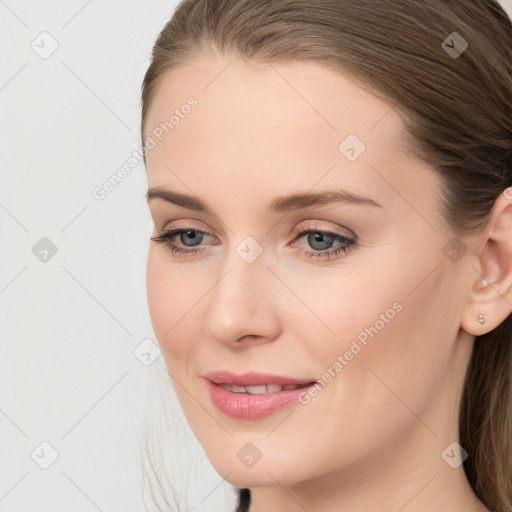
(370, 309)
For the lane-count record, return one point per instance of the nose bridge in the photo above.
(241, 300)
(244, 269)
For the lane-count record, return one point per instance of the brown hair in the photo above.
(458, 118)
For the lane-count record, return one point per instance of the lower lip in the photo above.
(252, 407)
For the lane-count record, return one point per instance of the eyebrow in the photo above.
(280, 204)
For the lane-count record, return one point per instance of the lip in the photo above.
(253, 379)
(252, 407)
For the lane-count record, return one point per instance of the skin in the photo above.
(374, 435)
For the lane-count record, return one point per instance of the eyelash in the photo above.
(166, 236)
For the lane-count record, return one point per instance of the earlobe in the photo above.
(490, 301)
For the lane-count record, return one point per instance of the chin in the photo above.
(252, 478)
(261, 474)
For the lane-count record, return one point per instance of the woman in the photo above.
(330, 274)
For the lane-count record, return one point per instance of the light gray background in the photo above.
(69, 326)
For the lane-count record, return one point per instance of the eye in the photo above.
(320, 240)
(189, 237)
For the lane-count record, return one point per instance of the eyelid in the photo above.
(185, 224)
(317, 225)
(304, 227)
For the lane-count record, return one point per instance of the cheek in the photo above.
(171, 301)
(336, 308)
(382, 324)
(158, 300)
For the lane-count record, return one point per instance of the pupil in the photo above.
(191, 233)
(319, 237)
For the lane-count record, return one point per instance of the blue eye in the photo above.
(191, 235)
(319, 239)
(185, 235)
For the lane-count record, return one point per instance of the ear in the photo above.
(491, 295)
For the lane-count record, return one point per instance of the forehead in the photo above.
(273, 125)
(260, 95)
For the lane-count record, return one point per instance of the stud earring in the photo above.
(481, 319)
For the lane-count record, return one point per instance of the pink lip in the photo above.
(252, 407)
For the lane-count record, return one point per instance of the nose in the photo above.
(242, 304)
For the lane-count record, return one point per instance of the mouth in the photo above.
(253, 396)
(263, 388)
(254, 382)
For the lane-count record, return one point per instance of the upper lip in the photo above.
(253, 379)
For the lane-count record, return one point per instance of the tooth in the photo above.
(256, 390)
(259, 390)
